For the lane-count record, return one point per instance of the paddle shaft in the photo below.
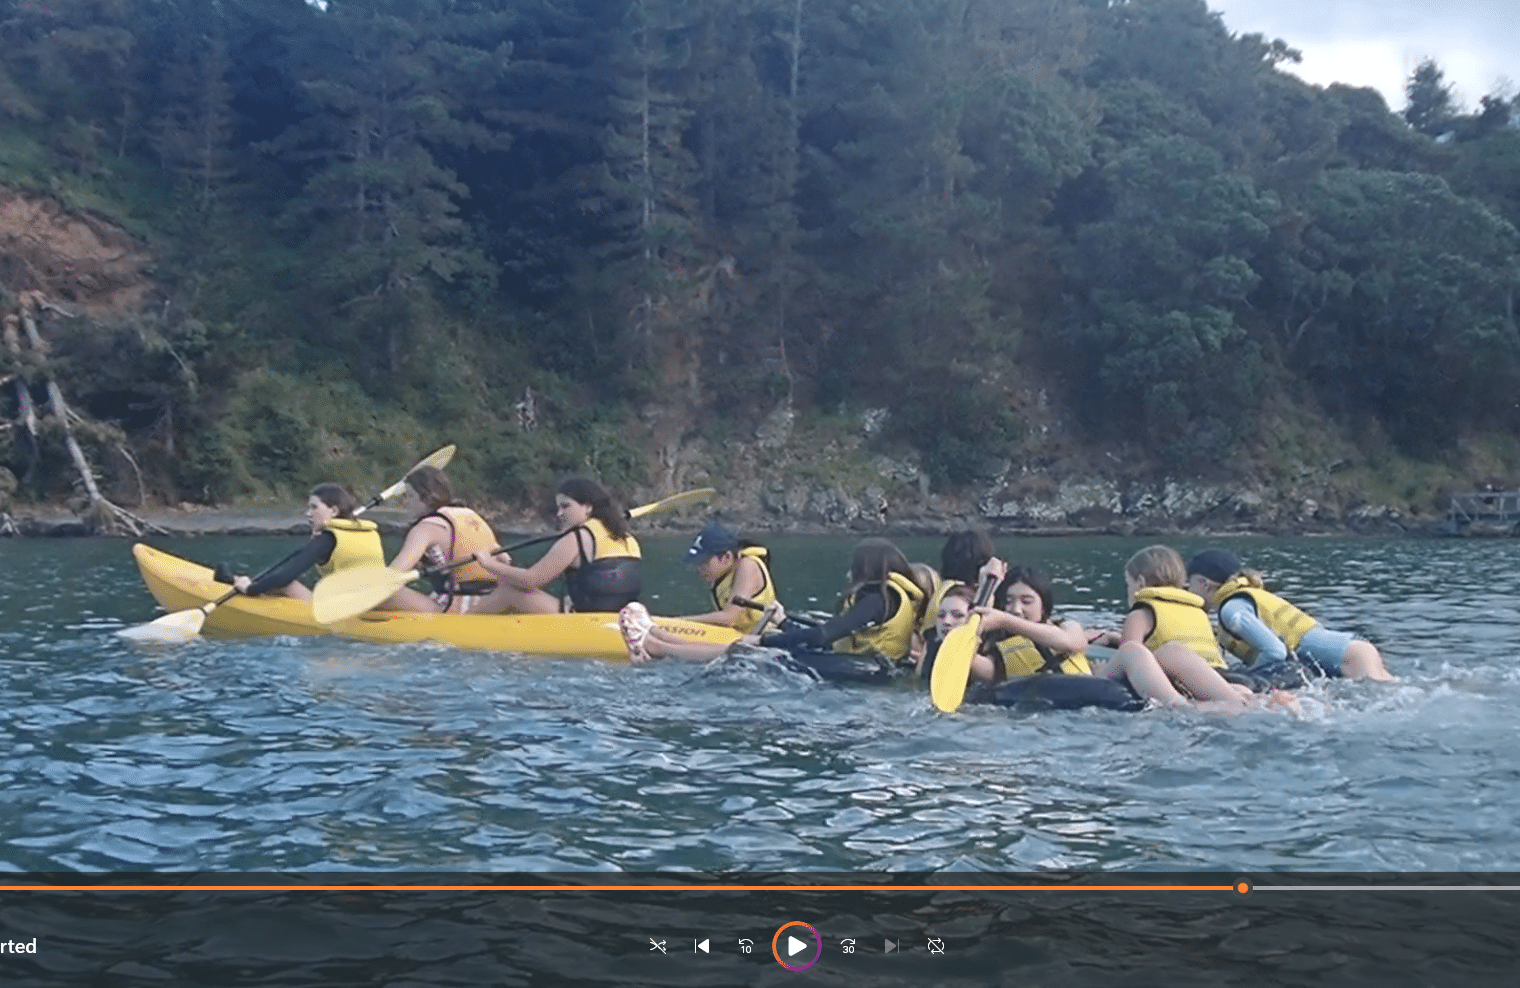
(437, 459)
(677, 500)
(748, 602)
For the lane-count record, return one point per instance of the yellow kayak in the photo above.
(179, 584)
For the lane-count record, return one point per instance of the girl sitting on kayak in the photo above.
(338, 541)
(443, 529)
(1263, 630)
(597, 555)
(879, 613)
(1166, 639)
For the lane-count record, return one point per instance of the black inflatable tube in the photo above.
(844, 667)
(1056, 691)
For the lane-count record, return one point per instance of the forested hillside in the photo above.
(583, 234)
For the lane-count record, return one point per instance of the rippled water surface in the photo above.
(328, 755)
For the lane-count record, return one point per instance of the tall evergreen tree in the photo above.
(1429, 106)
(388, 81)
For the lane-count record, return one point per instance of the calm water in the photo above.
(327, 755)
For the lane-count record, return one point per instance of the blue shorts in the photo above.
(1326, 648)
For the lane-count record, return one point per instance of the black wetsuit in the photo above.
(314, 553)
(808, 646)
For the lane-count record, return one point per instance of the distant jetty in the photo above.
(1484, 513)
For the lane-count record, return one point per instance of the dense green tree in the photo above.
(594, 206)
(1401, 299)
(1430, 106)
(1156, 284)
(387, 82)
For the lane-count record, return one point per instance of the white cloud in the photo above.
(1378, 43)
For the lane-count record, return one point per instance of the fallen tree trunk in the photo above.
(102, 516)
(27, 411)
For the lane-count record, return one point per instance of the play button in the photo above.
(797, 946)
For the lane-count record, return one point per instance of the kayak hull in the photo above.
(179, 584)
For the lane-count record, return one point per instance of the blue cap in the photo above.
(714, 540)
(1219, 565)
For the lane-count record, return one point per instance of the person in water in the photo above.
(955, 607)
(878, 614)
(597, 555)
(960, 561)
(1263, 629)
(1166, 640)
(443, 530)
(338, 541)
(1030, 637)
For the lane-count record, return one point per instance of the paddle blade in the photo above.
(354, 591)
(437, 460)
(171, 629)
(947, 683)
(685, 499)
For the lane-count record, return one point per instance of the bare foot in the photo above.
(1281, 698)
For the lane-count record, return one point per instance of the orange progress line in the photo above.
(617, 888)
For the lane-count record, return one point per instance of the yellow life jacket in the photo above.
(892, 638)
(723, 590)
(470, 533)
(609, 575)
(358, 545)
(1022, 657)
(1180, 617)
(1281, 618)
(931, 610)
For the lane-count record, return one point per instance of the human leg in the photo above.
(506, 599)
(407, 599)
(645, 640)
(1363, 661)
(1339, 653)
(1199, 678)
(1135, 663)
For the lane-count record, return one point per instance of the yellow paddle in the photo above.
(354, 591)
(952, 666)
(685, 499)
(181, 626)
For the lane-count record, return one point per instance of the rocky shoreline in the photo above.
(1073, 510)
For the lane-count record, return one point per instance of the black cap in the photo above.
(1218, 565)
(714, 540)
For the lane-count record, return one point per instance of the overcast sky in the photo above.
(1378, 43)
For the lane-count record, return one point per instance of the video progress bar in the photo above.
(624, 888)
(1385, 888)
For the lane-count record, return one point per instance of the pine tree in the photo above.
(1429, 106)
(387, 83)
(192, 133)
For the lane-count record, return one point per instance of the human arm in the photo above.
(317, 550)
(868, 610)
(548, 569)
(1238, 616)
(427, 532)
(1106, 638)
(1138, 625)
(1067, 636)
(748, 581)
